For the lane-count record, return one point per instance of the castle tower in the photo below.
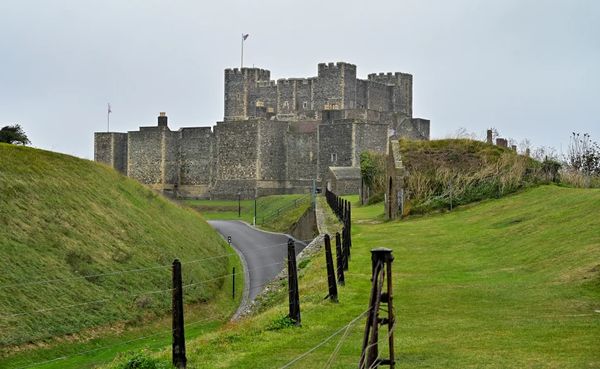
(240, 87)
(335, 87)
(401, 90)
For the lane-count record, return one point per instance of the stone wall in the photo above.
(144, 155)
(196, 153)
(369, 137)
(110, 148)
(411, 128)
(335, 146)
(236, 158)
(306, 227)
(271, 150)
(302, 152)
(395, 181)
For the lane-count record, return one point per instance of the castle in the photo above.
(276, 136)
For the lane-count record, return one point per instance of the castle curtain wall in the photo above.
(276, 137)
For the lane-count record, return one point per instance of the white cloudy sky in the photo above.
(529, 68)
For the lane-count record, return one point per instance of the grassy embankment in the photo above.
(506, 283)
(276, 213)
(85, 255)
(451, 172)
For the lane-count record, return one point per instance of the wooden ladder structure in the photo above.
(382, 272)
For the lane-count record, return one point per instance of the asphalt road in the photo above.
(264, 253)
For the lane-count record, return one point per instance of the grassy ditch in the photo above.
(276, 213)
(506, 283)
(85, 252)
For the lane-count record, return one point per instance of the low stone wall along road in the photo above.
(264, 253)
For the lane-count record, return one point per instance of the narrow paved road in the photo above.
(264, 253)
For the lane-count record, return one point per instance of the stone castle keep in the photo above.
(276, 136)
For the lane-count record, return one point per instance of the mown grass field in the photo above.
(275, 213)
(507, 283)
(85, 255)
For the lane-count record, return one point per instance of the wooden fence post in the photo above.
(179, 359)
(349, 226)
(381, 259)
(333, 294)
(340, 259)
(294, 296)
(345, 247)
(233, 284)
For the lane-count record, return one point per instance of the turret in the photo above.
(336, 86)
(401, 90)
(239, 87)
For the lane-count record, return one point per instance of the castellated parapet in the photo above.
(276, 136)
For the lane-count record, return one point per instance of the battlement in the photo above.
(335, 66)
(297, 98)
(390, 78)
(261, 74)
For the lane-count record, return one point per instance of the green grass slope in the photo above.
(277, 213)
(82, 246)
(507, 283)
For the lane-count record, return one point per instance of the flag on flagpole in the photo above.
(109, 110)
(245, 36)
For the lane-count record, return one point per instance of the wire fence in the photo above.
(276, 213)
(343, 331)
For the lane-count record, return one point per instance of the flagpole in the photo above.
(242, 61)
(108, 120)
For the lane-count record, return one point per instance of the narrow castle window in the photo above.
(333, 157)
(286, 105)
(305, 105)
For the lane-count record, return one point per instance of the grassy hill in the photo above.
(506, 283)
(82, 246)
(451, 172)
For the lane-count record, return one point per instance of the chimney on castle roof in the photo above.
(162, 119)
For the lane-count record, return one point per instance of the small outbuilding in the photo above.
(344, 180)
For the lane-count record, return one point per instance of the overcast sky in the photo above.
(529, 68)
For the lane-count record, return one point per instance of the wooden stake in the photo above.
(179, 359)
(333, 294)
(294, 297)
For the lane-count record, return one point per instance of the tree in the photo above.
(584, 154)
(372, 170)
(14, 135)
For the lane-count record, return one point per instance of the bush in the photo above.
(372, 171)
(13, 135)
(584, 154)
(141, 360)
(281, 323)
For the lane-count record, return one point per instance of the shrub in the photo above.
(584, 154)
(372, 171)
(142, 360)
(280, 323)
(14, 135)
